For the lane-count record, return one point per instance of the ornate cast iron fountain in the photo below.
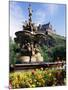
(28, 41)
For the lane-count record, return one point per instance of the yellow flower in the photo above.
(30, 81)
(50, 74)
(41, 68)
(33, 86)
(43, 81)
(35, 80)
(37, 69)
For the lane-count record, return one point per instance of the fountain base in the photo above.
(35, 58)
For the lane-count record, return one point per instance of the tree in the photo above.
(12, 53)
(59, 51)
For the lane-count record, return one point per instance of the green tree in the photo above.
(59, 51)
(12, 53)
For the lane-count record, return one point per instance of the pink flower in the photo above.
(10, 86)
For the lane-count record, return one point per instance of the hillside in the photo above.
(53, 47)
(59, 40)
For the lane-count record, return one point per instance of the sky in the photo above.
(42, 14)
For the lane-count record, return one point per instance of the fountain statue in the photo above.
(28, 41)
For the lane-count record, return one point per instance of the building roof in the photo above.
(47, 26)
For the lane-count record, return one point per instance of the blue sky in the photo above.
(42, 14)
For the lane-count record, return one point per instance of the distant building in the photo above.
(46, 28)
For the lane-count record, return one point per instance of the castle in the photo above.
(46, 28)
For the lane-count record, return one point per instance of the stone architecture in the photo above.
(46, 28)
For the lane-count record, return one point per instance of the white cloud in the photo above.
(46, 11)
(16, 18)
(40, 16)
(52, 9)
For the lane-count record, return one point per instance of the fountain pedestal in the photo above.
(34, 58)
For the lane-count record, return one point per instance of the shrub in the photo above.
(37, 78)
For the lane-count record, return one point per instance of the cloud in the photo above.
(16, 18)
(52, 9)
(40, 16)
(46, 11)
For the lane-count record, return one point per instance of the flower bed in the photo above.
(37, 78)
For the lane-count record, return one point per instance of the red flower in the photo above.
(10, 84)
(10, 81)
(33, 72)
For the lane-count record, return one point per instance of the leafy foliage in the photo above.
(37, 78)
(12, 53)
(59, 51)
(53, 47)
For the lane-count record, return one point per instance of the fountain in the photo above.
(28, 41)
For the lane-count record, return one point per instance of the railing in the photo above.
(27, 66)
